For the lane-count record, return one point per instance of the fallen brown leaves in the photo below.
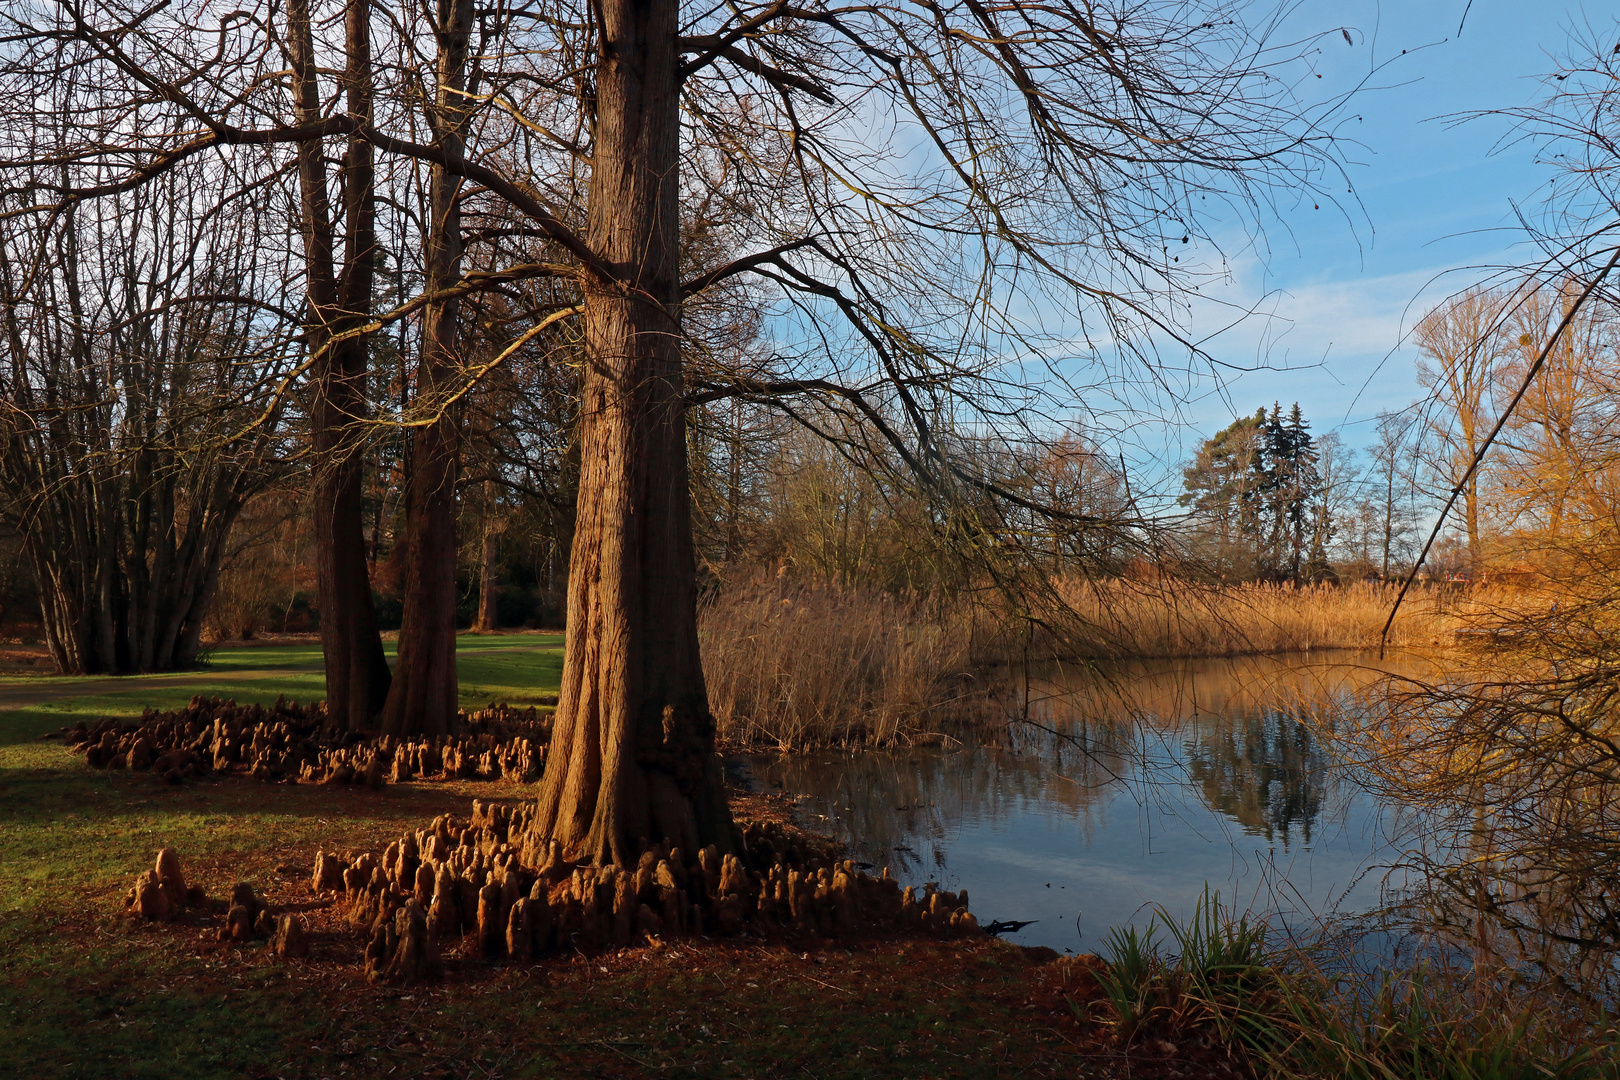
(861, 1006)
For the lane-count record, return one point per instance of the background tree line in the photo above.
(1266, 499)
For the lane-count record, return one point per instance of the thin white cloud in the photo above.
(1311, 321)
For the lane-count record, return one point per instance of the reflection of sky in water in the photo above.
(1084, 821)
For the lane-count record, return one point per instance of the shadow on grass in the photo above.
(147, 1002)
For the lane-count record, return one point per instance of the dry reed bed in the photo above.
(1140, 620)
(792, 664)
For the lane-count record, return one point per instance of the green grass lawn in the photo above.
(86, 993)
(63, 824)
(517, 668)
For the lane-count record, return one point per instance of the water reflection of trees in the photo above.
(896, 808)
(1263, 770)
(1231, 727)
(1166, 691)
(1214, 724)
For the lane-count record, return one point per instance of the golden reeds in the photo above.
(791, 664)
(1125, 619)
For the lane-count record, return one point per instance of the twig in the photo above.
(829, 986)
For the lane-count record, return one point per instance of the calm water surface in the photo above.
(1125, 792)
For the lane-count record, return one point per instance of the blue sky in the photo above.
(1434, 197)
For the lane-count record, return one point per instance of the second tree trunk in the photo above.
(422, 700)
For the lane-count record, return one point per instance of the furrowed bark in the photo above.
(632, 754)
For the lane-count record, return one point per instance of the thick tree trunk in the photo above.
(357, 678)
(422, 700)
(632, 755)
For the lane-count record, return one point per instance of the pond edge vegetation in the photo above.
(1293, 1010)
(797, 662)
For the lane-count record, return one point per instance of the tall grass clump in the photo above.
(1430, 1024)
(792, 664)
(1216, 979)
(1218, 967)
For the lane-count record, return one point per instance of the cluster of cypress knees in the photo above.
(292, 742)
(161, 895)
(494, 888)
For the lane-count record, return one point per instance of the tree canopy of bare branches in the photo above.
(940, 208)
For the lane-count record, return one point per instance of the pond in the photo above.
(1126, 790)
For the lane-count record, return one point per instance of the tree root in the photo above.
(291, 742)
(161, 895)
(517, 899)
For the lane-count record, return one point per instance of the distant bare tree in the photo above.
(1555, 480)
(135, 351)
(1391, 485)
(1515, 766)
(1461, 349)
